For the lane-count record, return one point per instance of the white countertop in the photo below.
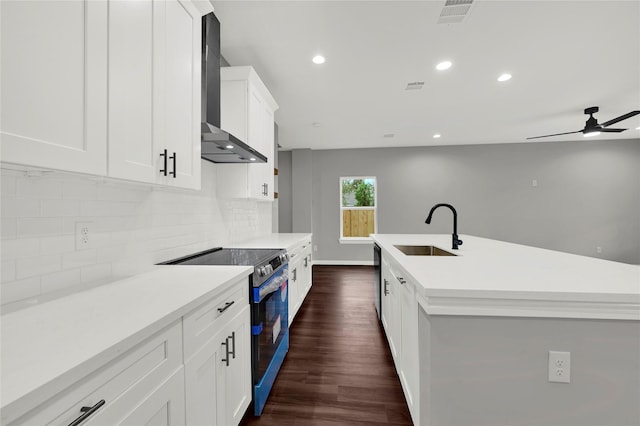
(47, 347)
(493, 277)
(285, 241)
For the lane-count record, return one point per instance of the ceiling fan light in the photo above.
(592, 133)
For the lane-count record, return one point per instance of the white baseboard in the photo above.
(344, 262)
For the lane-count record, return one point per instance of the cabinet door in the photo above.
(234, 376)
(218, 377)
(54, 84)
(135, 116)
(293, 289)
(393, 318)
(154, 92)
(409, 370)
(181, 92)
(165, 406)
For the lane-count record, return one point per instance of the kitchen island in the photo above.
(471, 334)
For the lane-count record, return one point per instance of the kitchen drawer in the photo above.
(203, 323)
(299, 249)
(121, 383)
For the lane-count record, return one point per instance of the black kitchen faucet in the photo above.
(456, 242)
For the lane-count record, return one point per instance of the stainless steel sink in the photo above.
(423, 251)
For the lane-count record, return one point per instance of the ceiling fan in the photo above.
(592, 127)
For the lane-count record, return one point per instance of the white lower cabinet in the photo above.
(196, 371)
(400, 321)
(163, 407)
(135, 385)
(300, 276)
(218, 376)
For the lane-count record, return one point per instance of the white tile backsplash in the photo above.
(134, 226)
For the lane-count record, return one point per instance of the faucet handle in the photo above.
(456, 242)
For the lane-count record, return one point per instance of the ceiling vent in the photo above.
(416, 85)
(454, 11)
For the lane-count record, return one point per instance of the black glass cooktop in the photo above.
(227, 256)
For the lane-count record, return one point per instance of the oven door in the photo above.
(270, 334)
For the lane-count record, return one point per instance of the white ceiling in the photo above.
(564, 56)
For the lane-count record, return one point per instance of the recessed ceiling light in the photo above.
(318, 59)
(445, 65)
(638, 128)
(588, 135)
(252, 159)
(229, 146)
(504, 77)
(436, 136)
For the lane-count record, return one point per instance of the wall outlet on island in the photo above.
(559, 367)
(315, 247)
(599, 250)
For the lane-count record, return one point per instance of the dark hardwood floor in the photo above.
(339, 369)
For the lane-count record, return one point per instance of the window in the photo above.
(357, 208)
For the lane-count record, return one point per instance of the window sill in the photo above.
(361, 240)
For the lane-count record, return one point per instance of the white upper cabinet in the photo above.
(247, 112)
(154, 92)
(109, 88)
(54, 84)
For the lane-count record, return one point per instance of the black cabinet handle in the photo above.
(87, 412)
(226, 347)
(386, 287)
(173, 157)
(164, 170)
(226, 306)
(233, 344)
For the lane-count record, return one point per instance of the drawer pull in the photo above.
(87, 412)
(386, 287)
(402, 280)
(226, 306)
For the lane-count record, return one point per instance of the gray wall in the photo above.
(587, 194)
(284, 191)
(302, 190)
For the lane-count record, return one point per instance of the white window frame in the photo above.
(358, 240)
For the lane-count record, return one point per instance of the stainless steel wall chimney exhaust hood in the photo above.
(218, 146)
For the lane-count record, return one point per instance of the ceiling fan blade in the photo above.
(622, 117)
(556, 134)
(611, 130)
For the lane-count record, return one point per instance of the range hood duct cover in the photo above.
(218, 146)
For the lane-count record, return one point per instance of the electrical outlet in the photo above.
(599, 250)
(315, 247)
(84, 235)
(559, 367)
